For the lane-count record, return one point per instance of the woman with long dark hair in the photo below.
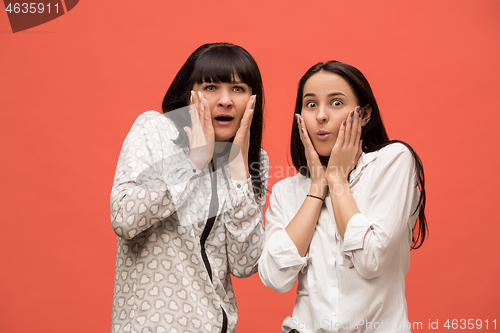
(345, 224)
(185, 204)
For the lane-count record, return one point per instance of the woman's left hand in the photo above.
(347, 149)
(241, 143)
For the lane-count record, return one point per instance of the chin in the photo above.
(224, 137)
(323, 151)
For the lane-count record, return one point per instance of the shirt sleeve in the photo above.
(153, 176)
(280, 262)
(244, 223)
(372, 239)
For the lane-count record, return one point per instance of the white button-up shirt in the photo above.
(355, 284)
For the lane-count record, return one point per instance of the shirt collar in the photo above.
(364, 160)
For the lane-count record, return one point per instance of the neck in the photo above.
(221, 148)
(324, 160)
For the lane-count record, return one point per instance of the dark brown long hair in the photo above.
(374, 135)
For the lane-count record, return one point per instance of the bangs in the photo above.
(222, 65)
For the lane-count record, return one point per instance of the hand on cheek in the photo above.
(201, 133)
(241, 143)
(316, 170)
(347, 149)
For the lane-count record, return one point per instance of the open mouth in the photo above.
(224, 119)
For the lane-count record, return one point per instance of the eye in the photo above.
(210, 88)
(337, 103)
(238, 89)
(311, 104)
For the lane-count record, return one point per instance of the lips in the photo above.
(322, 135)
(224, 119)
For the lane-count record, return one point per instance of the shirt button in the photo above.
(333, 314)
(238, 186)
(194, 170)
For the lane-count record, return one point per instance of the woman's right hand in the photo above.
(201, 134)
(319, 184)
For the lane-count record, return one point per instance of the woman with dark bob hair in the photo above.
(185, 204)
(345, 224)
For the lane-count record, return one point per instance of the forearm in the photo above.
(301, 227)
(344, 206)
(280, 264)
(243, 218)
(136, 208)
(239, 168)
(244, 246)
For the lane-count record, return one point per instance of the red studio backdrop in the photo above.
(71, 88)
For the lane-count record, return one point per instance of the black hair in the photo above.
(373, 134)
(219, 62)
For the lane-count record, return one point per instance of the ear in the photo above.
(366, 113)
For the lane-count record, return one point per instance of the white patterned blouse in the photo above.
(177, 244)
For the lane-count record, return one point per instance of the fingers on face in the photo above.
(342, 133)
(304, 135)
(356, 127)
(249, 110)
(352, 128)
(201, 104)
(252, 107)
(193, 108)
(299, 121)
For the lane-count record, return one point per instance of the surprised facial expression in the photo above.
(227, 103)
(327, 100)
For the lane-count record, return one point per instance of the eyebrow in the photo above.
(232, 82)
(329, 95)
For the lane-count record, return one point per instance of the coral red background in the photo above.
(70, 90)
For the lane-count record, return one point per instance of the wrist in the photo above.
(318, 189)
(199, 161)
(239, 169)
(239, 174)
(336, 181)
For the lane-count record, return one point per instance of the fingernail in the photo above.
(254, 100)
(302, 130)
(343, 123)
(199, 94)
(358, 108)
(352, 114)
(192, 94)
(205, 102)
(300, 121)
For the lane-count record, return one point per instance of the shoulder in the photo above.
(395, 156)
(151, 121)
(395, 151)
(152, 118)
(289, 185)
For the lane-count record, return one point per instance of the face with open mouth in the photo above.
(227, 103)
(327, 100)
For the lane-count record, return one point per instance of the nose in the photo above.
(321, 116)
(225, 100)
